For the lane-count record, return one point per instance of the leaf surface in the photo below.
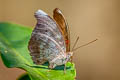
(14, 53)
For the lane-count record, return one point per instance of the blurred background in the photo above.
(88, 19)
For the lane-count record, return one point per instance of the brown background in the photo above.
(89, 19)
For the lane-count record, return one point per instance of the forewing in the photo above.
(64, 28)
(46, 40)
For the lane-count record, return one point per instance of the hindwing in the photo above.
(46, 40)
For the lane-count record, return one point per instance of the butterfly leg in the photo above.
(65, 69)
(49, 70)
(71, 60)
(51, 66)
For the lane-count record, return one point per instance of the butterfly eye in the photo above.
(46, 30)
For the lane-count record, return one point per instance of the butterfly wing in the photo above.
(60, 20)
(46, 40)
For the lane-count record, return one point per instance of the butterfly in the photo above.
(50, 39)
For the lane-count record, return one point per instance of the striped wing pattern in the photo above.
(46, 40)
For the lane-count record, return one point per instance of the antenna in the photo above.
(84, 45)
(75, 43)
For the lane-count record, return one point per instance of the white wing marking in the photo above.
(40, 12)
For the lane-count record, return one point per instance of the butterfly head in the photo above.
(69, 54)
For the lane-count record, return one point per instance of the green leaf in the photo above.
(14, 53)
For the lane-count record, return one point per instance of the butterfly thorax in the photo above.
(60, 60)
